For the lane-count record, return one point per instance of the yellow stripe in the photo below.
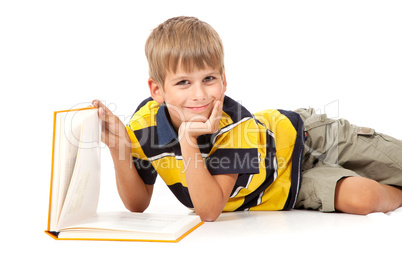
(171, 170)
(145, 117)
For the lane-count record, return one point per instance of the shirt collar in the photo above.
(165, 130)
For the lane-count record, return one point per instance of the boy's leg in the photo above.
(337, 156)
(318, 187)
(338, 143)
(358, 195)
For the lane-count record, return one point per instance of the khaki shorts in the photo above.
(336, 149)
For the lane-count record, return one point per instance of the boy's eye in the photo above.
(209, 78)
(183, 82)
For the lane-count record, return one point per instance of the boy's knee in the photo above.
(358, 195)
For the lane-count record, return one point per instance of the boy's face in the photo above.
(190, 97)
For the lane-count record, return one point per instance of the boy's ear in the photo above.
(224, 83)
(156, 91)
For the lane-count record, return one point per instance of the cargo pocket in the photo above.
(379, 156)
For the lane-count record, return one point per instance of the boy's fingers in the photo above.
(215, 115)
(95, 103)
(104, 112)
(215, 118)
(106, 115)
(216, 109)
(99, 104)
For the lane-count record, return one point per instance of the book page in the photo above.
(82, 195)
(132, 226)
(137, 222)
(69, 133)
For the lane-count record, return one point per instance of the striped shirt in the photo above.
(264, 149)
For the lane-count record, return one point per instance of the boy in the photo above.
(216, 156)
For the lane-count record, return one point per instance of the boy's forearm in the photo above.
(205, 192)
(134, 193)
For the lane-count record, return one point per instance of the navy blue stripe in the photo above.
(181, 194)
(145, 170)
(166, 132)
(241, 181)
(148, 140)
(297, 156)
(233, 161)
(235, 110)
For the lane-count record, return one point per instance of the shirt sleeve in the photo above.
(144, 167)
(235, 150)
(145, 170)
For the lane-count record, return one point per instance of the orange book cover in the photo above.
(180, 225)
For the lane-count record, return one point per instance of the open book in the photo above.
(75, 188)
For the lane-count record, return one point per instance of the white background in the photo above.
(341, 57)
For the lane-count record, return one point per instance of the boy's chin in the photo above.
(197, 118)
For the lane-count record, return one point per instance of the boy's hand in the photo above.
(192, 129)
(113, 130)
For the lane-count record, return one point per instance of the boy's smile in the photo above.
(189, 97)
(198, 108)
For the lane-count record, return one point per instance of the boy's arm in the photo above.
(134, 193)
(209, 193)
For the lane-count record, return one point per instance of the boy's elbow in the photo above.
(208, 216)
(135, 209)
(139, 208)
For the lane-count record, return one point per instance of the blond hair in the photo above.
(186, 42)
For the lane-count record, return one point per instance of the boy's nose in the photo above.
(198, 92)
